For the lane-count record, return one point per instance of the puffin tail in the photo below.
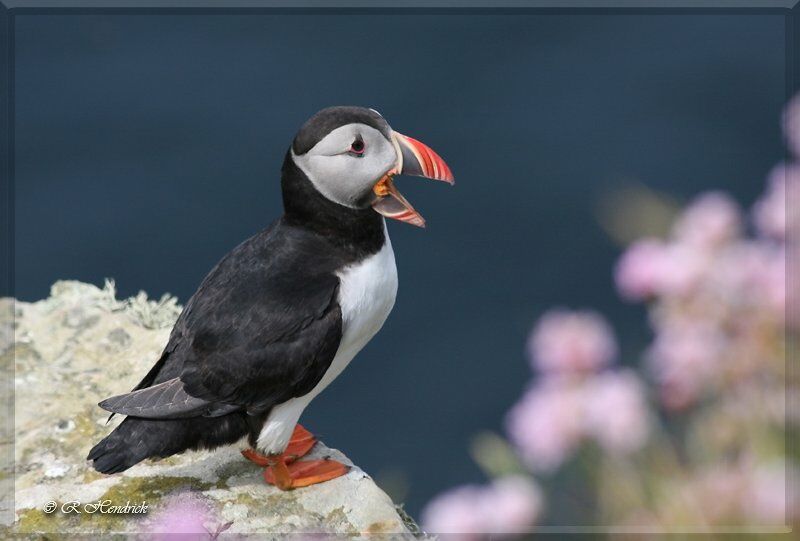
(137, 439)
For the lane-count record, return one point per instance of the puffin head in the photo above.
(350, 155)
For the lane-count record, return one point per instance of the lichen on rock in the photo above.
(80, 345)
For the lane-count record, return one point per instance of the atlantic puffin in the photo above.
(282, 314)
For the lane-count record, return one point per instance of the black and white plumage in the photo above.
(281, 315)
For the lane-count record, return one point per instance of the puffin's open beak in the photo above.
(413, 158)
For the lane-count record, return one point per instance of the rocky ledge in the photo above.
(82, 344)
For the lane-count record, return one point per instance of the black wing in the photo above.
(168, 400)
(262, 328)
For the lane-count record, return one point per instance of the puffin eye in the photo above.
(357, 147)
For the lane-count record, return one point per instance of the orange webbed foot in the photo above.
(304, 473)
(286, 471)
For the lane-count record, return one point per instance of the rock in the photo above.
(81, 345)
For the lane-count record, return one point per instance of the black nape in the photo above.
(359, 231)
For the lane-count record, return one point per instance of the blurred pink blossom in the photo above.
(684, 358)
(740, 268)
(768, 504)
(182, 517)
(773, 283)
(721, 488)
(775, 213)
(651, 267)
(616, 411)
(455, 511)
(566, 341)
(513, 506)
(710, 219)
(752, 275)
(685, 267)
(792, 299)
(509, 505)
(791, 125)
(639, 271)
(546, 424)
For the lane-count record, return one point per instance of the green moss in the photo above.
(337, 520)
(85, 434)
(22, 351)
(170, 460)
(247, 499)
(33, 521)
(234, 468)
(46, 443)
(409, 521)
(151, 488)
(27, 455)
(84, 426)
(90, 476)
(385, 526)
(284, 504)
(7, 360)
(133, 489)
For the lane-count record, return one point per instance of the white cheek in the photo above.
(336, 177)
(344, 178)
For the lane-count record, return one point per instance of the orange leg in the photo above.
(286, 472)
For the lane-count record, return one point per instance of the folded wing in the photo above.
(167, 400)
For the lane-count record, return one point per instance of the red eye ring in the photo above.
(357, 147)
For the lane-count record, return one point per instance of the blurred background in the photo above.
(148, 146)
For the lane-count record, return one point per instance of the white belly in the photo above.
(367, 291)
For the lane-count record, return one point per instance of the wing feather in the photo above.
(167, 400)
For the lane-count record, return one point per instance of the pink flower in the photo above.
(182, 517)
(651, 268)
(509, 505)
(721, 487)
(770, 503)
(616, 411)
(513, 505)
(455, 512)
(773, 284)
(571, 342)
(753, 274)
(546, 424)
(791, 126)
(685, 267)
(710, 220)
(639, 272)
(770, 212)
(740, 268)
(685, 357)
(792, 298)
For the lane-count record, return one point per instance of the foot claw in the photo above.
(256, 458)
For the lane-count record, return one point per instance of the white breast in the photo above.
(367, 291)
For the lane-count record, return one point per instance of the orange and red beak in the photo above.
(416, 159)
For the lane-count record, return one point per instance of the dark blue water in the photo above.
(148, 146)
